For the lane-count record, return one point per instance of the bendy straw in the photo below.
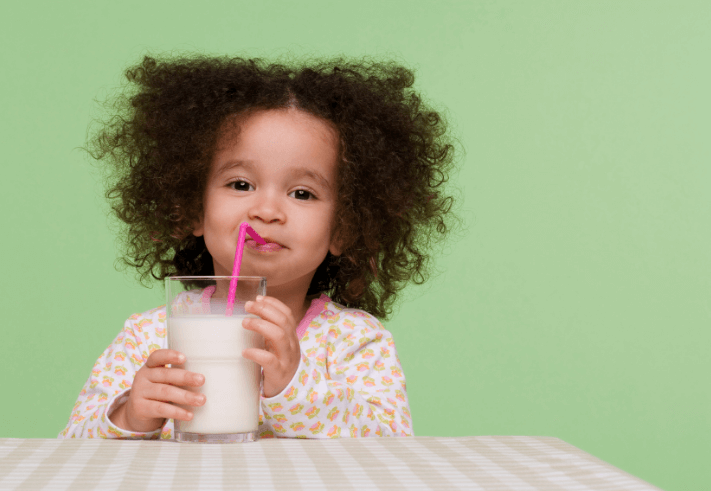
(244, 229)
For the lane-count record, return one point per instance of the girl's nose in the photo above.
(267, 208)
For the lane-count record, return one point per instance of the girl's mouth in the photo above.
(268, 247)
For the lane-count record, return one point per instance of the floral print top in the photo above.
(349, 382)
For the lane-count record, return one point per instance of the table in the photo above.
(473, 463)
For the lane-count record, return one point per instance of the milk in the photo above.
(212, 345)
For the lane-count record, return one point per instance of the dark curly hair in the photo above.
(395, 156)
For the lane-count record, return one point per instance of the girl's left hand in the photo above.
(282, 353)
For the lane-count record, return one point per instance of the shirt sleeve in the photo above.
(350, 385)
(110, 383)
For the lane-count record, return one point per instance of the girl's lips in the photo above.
(268, 247)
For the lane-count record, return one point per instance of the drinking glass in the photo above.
(203, 327)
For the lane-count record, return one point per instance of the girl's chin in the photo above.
(271, 276)
(276, 276)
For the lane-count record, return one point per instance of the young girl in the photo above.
(338, 165)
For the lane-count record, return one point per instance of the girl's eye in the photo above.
(241, 186)
(301, 194)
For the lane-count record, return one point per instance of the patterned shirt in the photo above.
(349, 381)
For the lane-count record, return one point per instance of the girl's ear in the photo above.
(336, 247)
(198, 228)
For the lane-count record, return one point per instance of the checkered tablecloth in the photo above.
(474, 463)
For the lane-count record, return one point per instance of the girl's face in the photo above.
(278, 173)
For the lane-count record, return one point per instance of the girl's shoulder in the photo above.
(192, 301)
(156, 314)
(332, 315)
(145, 330)
(186, 301)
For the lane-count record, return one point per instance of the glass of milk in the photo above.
(212, 343)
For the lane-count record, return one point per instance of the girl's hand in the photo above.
(282, 353)
(153, 389)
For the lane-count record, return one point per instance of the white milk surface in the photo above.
(212, 345)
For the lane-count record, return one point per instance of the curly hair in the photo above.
(395, 157)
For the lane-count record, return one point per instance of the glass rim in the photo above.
(179, 278)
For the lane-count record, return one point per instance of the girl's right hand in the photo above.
(154, 387)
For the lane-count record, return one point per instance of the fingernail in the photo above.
(190, 416)
(200, 399)
(181, 357)
(248, 305)
(198, 379)
(259, 297)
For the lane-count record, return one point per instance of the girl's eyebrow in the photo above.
(312, 174)
(233, 164)
(295, 172)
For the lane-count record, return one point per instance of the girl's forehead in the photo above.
(285, 124)
(279, 136)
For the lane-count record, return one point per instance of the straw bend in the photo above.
(244, 229)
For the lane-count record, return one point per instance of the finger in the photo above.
(170, 393)
(162, 357)
(163, 410)
(268, 312)
(277, 304)
(262, 357)
(176, 376)
(274, 335)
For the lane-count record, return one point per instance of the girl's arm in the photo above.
(109, 384)
(348, 383)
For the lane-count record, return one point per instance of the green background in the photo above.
(575, 301)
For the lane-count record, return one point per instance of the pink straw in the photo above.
(244, 228)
